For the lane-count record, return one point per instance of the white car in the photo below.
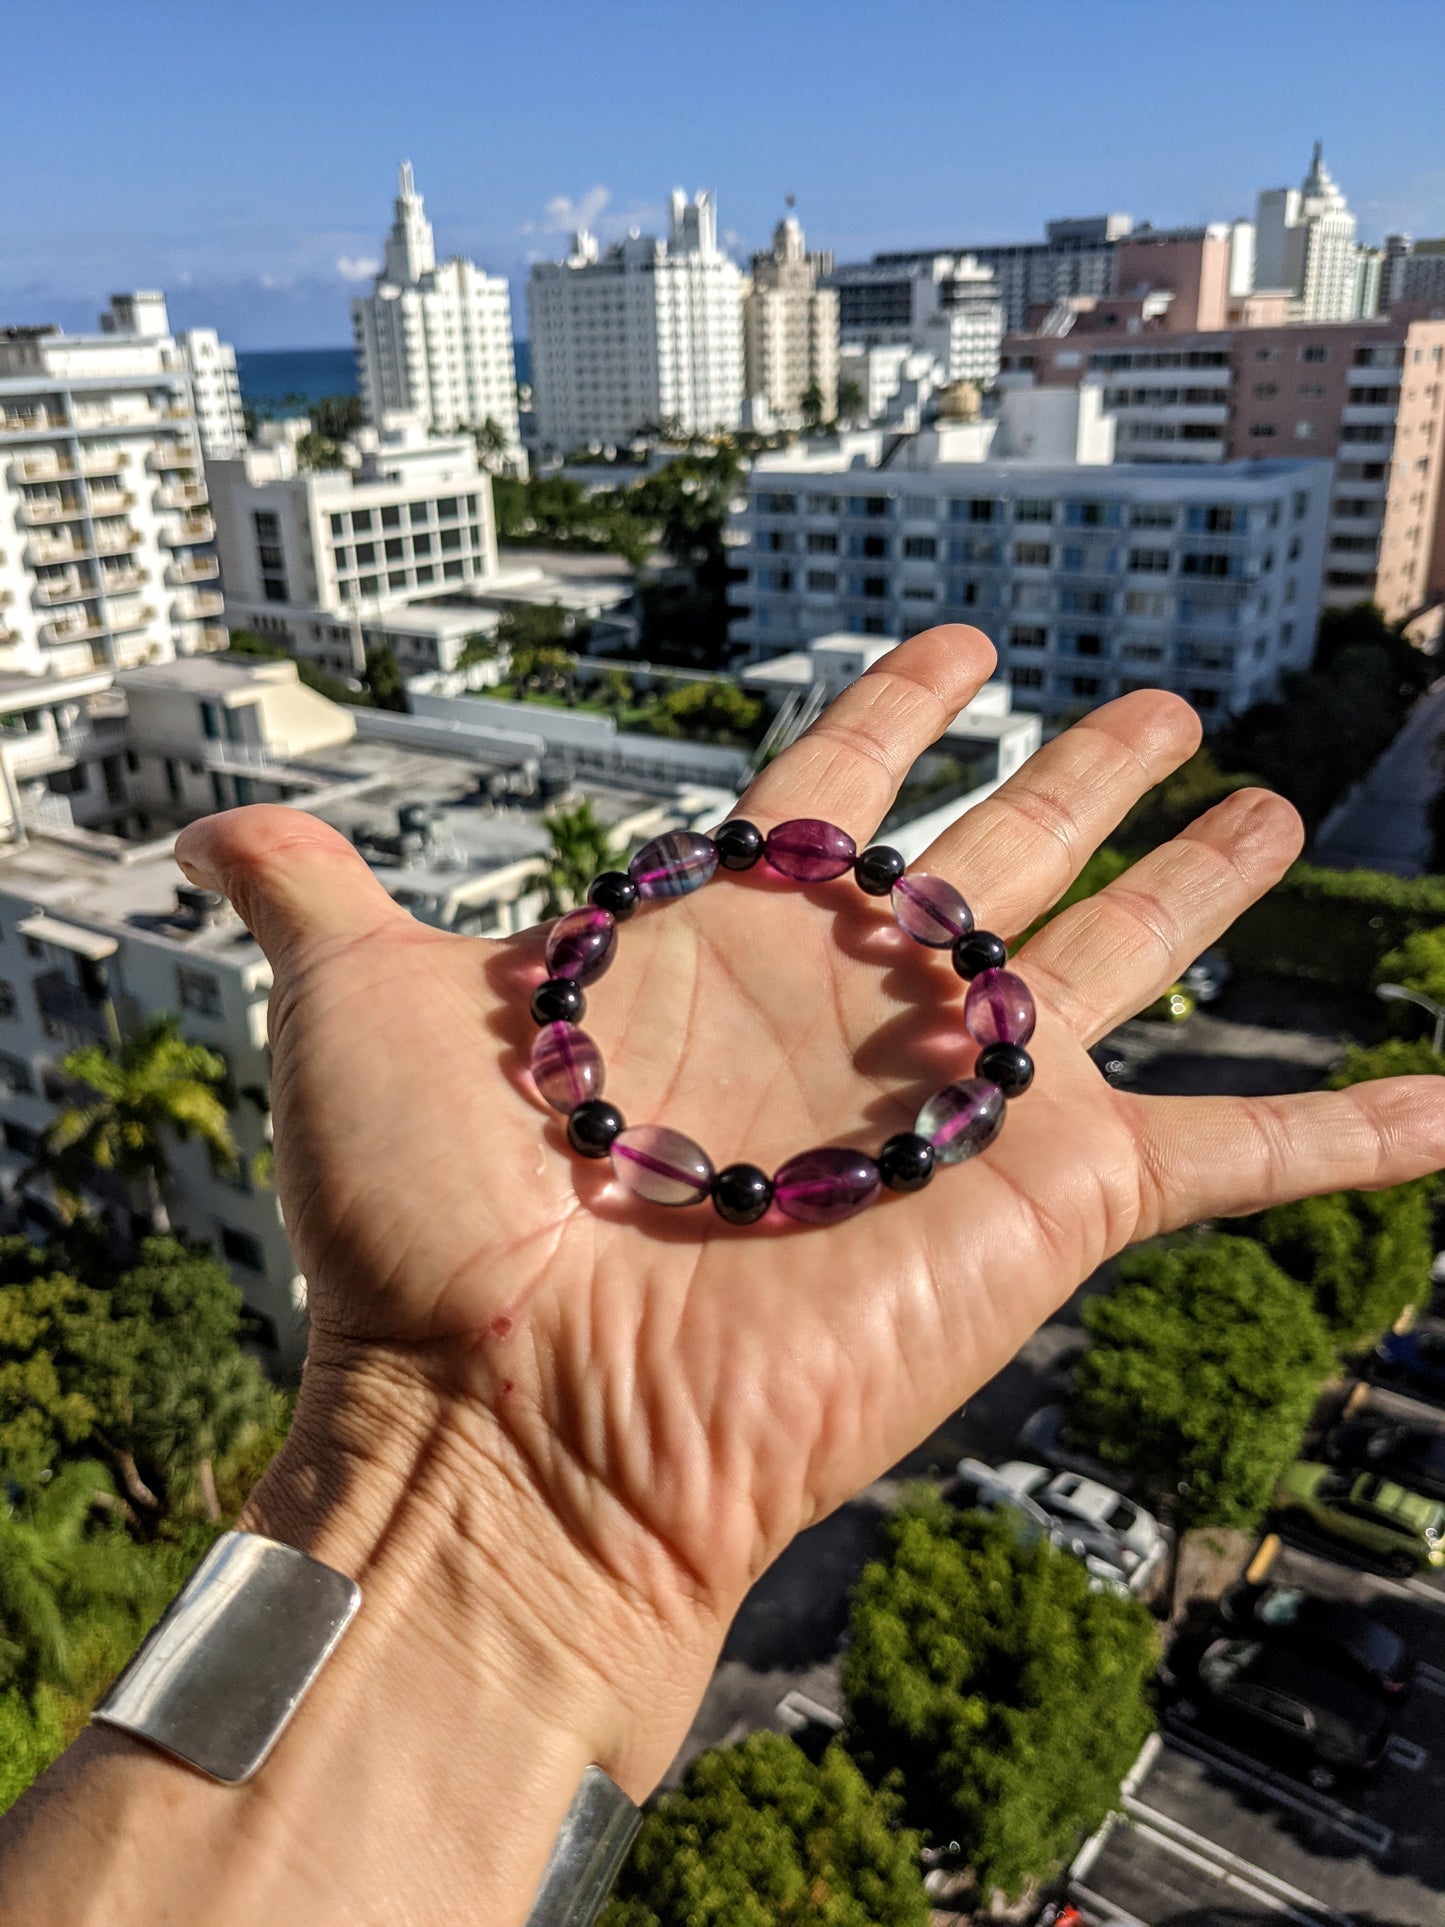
(1120, 1543)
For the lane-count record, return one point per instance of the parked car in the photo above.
(1411, 1455)
(1207, 977)
(1318, 1722)
(1121, 1544)
(1332, 1633)
(1403, 1528)
(1415, 1361)
(1042, 1436)
(1176, 1006)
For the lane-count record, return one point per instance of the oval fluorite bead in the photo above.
(660, 1165)
(824, 1186)
(671, 865)
(567, 1066)
(580, 944)
(962, 1119)
(931, 911)
(809, 851)
(999, 1008)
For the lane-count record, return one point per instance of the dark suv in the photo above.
(1262, 1695)
(1411, 1455)
(1329, 1633)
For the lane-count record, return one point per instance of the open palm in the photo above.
(682, 1395)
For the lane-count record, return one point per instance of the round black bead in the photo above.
(906, 1162)
(979, 950)
(739, 845)
(741, 1193)
(592, 1127)
(1007, 1065)
(878, 869)
(558, 1001)
(614, 890)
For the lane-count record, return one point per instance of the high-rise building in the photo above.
(943, 305)
(1414, 271)
(1367, 395)
(106, 536)
(647, 333)
(215, 391)
(435, 342)
(790, 328)
(1305, 244)
(1092, 577)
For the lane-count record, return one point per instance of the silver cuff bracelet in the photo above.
(221, 1673)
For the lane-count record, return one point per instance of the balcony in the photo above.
(131, 615)
(58, 633)
(30, 421)
(194, 530)
(72, 589)
(213, 636)
(65, 1007)
(123, 581)
(37, 515)
(52, 548)
(171, 455)
(101, 461)
(192, 568)
(46, 466)
(111, 501)
(115, 541)
(182, 495)
(197, 606)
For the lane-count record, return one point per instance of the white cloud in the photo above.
(356, 267)
(563, 215)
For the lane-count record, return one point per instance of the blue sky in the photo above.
(243, 157)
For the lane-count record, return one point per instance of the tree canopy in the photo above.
(1363, 1256)
(1009, 1698)
(1201, 1375)
(758, 1835)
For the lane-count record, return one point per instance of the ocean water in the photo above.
(280, 381)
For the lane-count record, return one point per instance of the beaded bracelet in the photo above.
(820, 1186)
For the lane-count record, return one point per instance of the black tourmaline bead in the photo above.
(979, 950)
(614, 890)
(558, 1001)
(878, 869)
(741, 1193)
(592, 1127)
(739, 845)
(906, 1162)
(1007, 1065)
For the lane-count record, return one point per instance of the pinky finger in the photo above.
(1220, 1157)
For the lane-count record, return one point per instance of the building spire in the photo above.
(406, 183)
(410, 249)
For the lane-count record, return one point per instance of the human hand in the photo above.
(647, 1405)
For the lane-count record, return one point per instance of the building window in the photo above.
(420, 514)
(1032, 555)
(8, 1005)
(1265, 390)
(919, 548)
(823, 581)
(1083, 685)
(875, 586)
(199, 991)
(1301, 504)
(338, 525)
(1027, 677)
(1261, 431)
(18, 1138)
(1093, 515)
(822, 544)
(1033, 508)
(1314, 352)
(924, 507)
(777, 504)
(421, 545)
(241, 1248)
(1146, 515)
(268, 525)
(1088, 645)
(1204, 564)
(822, 505)
(16, 1074)
(396, 549)
(1149, 561)
(391, 518)
(1028, 636)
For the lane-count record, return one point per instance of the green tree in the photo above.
(1201, 1375)
(758, 1835)
(491, 441)
(39, 1538)
(140, 1093)
(1396, 1058)
(850, 401)
(1418, 963)
(579, 846)
(710, 711)
(383, 678)
(1363, 1256)
(1009, 1697)
(811, 405)
(336, 416)
(45, 1315)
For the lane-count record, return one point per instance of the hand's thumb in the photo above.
(295, 881)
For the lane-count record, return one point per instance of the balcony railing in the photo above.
(192, 568)
(48, 466)
(101, 461)
(123, 581)
(63, 632)
(135, 615)
(115, 542)
(213, 636)
(39, 514)
(111, 501)
(171, 455)
(71, 590)
(195, 529)
(182, 495)
(29, 421)
(197, 605)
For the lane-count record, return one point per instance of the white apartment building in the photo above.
(1305, 245)
(435, 342)
(943, 305)
(1091, 577)
(326, 560)
(106, 536)
(215, 392)
(650, 332)
(790, 328)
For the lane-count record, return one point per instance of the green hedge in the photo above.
(1334, 926)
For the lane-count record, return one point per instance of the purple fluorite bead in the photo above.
(567, 1066)
(999, 1008)
(580, 944)
(671, 865)
(808, 850)
(660, 1165)
(824, 1186)
(931, 911)
(962, 1119)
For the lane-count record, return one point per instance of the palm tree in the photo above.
(580, 847)
(811, 405)
(154, 1084)
(38, 1542)
(850, 401)
(204, 1417)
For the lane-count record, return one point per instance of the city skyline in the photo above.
(269, 230)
